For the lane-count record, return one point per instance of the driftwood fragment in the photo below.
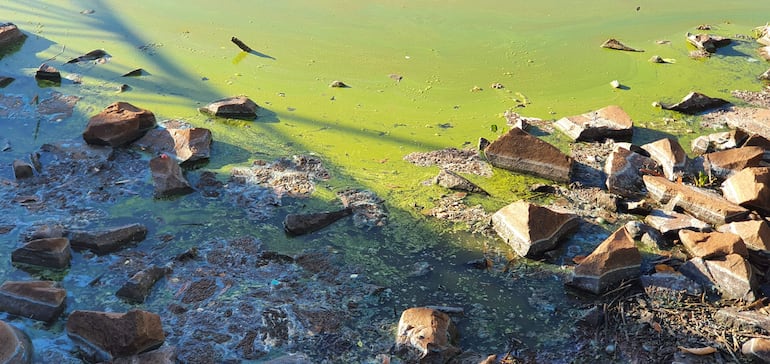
(240, 44)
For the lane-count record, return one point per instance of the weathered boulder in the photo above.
(239, 107)
(50, 252)
(108, 240)
(696, 102)
(610, 122)
(758, 348)
(749, 188)
(669, 154)
(10, 35)
(613, 43)
(48, 73)
(707, 42)
(708, 245)
(22, 169)
(623, 172)
(531, 229)
(104, 336)
(139, 285)
(614, 260)
(702, 204)
(38, 300)
(454, 181)
(724, 163)
(15, 345)
(519, 151)
(118, 124)
(300, 224)
(718, 141)
(426, 335)
(731, 275)
(669, 223)
(754, 233)
(168, 178)
(669, 286)
(184, 145)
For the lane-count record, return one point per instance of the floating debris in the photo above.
(90, 56)
(338, 84)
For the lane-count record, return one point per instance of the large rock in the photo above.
(139, 285)
(300, 224)
(724, 163)
(10, 35)
(118, 124)
(696, 102)
(426, 335)
(108, 240)
(758, 348)
(240, 107)
(531, 229)
(184, 145)
(669, 223)
(731, 275)
(701, 204)
(104, 336)
(616, 259)
(708, 42)
(519, 151)
(15, 345)
(749, 188)
(38, 300)
(669, 154)
(168, 178)
(610, 122)
(754, 233)
(708, 245)
(623, 172)
(51, 253)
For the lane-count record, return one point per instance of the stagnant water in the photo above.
(546, 54)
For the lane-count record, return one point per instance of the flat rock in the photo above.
(724, 163)
(610, 122)
(531, 229)
(48, 252)
(118, 124)
(669, 154)
(708, 245)
(707, 42)
(754, 233)
(10, 35)
(623, 172)
(15, 345)
(38, 300)
(703, 205)
(139, 285)
(616, 259)
(758, 348)
(108, 240)
(104, 336)
(731, 275)
(300, 224)
(669, 223)
(696, 102)
(613, 43)
(426, 335)
(454, 181)
(669, 287)
(239, 107)
(749, 188)
(519, 151)
(168, 178)
(184, 145)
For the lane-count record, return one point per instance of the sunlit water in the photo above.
(546, 54)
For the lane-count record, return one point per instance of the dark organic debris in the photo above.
(240, 44)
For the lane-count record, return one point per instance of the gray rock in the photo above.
(669, 287)
(49, 252)
(300, 224)
(163, 355)
(38, 300)
(108, 240)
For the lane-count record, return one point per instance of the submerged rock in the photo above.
(696, 102)
(519, 151)
(48, 73)
(426, 335)
(104, 336)
(38, 300)
(187, 146)
(613, 261)
(138, 287)
(15, 345)
(610, 122)
(22, 169)
(300, 224)
(108, 240)
(239, 107)
(531, 229)
(118, 124)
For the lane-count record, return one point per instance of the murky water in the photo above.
(412, 67)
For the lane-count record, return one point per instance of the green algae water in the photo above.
(420, 76)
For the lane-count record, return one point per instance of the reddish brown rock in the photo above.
(724, 163)
(118, 124)
(167, 177)
(104, 336)
(758, 348)
(139, 285)
(38, 300)
(610, 122)
(731, 275)
(616, 259)
(749, 188)
(426, 335)
(22, 169)
(48, 73)
(519, 151)
(759, 141)
(185, 145)
(531, 229)
(668, 153)
(708, 42)
(696, 102)
(710, 245)
(240, 107)
(108, 240)
(670, 223)
(50, 252)
(10, 35)
(754, 233)
(623, 172)
(15, 345)
(701, 204)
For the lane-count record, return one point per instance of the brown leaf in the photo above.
(664, 268)
(698, 351)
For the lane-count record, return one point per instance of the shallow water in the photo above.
(546, 54)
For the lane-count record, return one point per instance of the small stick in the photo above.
(240, 44)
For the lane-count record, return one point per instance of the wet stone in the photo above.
(104, 336)
(426, 335)
(186, 145)
(613, 43)
(48, 73)
(22, 169)
(10, 35)
(118, 124)
(239, 107)
(38, 300)
(519, 151)
(15, 345)
(108, 240)
(300, 224)
(708, 42)
(163, 355)
(49, 252)
(139, 285)
(168, 178)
